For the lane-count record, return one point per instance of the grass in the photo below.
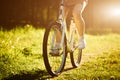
(20, 51)
(21, 57)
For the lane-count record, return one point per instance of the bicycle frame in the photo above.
(61, 20)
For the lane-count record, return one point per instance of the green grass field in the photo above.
(21, 57)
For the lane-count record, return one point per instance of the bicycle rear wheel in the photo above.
(53, 64)
(76, 58)
(75, 54)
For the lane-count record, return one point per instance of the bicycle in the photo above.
(55, 64)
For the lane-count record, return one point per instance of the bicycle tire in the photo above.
(48, 59)
(76, 60)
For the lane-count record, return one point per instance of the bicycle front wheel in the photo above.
(53, 64)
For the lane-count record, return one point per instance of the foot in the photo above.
(82, 43)
(55, 51)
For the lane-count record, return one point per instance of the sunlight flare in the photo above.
(115, 11)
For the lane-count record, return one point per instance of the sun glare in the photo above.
(115, 11)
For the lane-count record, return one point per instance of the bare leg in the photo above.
(58, 33)
(79, 21)
(55, 51)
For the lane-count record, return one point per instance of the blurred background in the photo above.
(101, 16)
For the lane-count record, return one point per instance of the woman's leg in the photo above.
(55, 51)
(58, 33)
(79, 22)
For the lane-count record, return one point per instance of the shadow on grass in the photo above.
(38, 75)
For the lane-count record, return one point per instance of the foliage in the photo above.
(37, 12)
